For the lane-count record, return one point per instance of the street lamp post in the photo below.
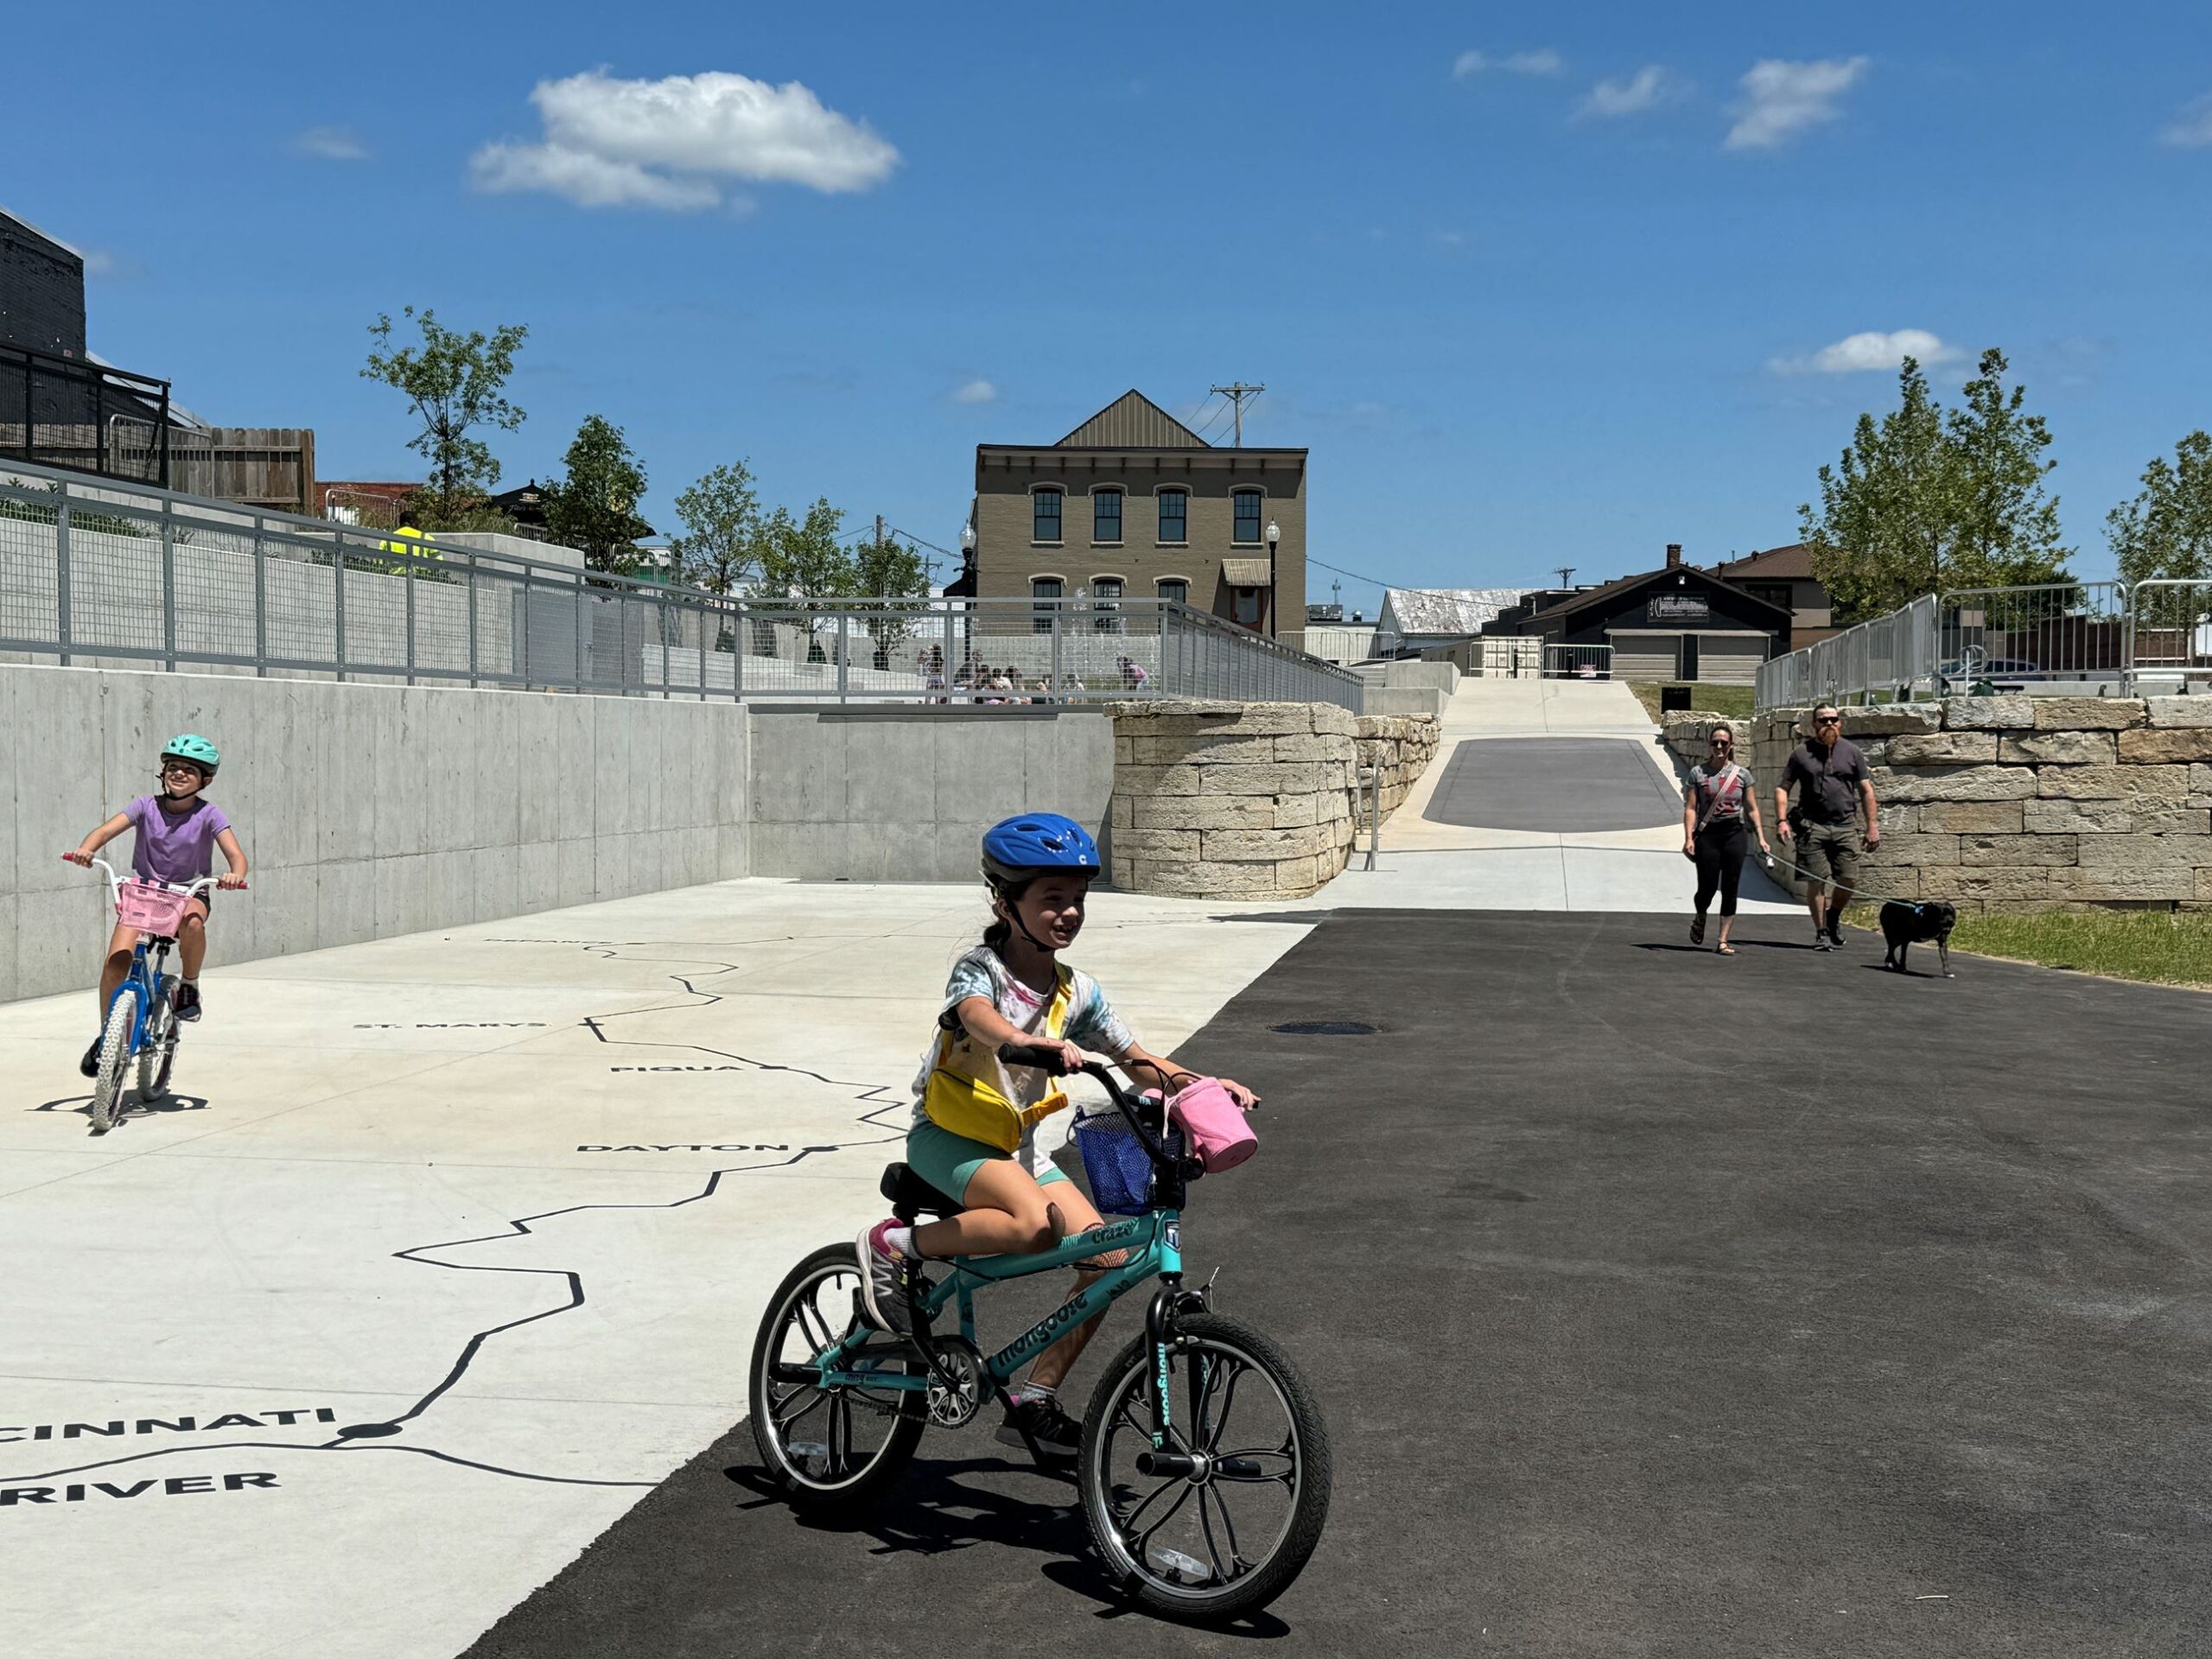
(968, 606)
(1274, 602)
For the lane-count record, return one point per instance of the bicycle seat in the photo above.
(909, 1194)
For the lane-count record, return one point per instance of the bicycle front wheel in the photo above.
(827, 1448)
(158, 1052)
(115, 1061)
(1228, 1536)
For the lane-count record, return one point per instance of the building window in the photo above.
(1044, 596)
(1175, 590)
(1106, 603)
(1248, 516)
(1174, 515)
(1106, 515)
(1044, 516)
(1244, 608)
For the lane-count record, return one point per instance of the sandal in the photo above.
(1723, 949)
(1697, 931)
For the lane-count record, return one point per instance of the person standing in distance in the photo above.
(1716, 802)
(1823, 828)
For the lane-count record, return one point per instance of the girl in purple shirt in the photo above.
(179, 831)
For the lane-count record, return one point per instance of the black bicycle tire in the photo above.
(899, 1445)
(1310, 1514)
(115, 1059)
(158, 1052)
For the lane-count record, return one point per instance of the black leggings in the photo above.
(1720, 863)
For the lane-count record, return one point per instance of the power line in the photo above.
(1238, 391)
(1373, 582)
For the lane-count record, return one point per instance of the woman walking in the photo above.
(1716, 803)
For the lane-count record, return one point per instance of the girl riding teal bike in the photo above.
(1202, 1460)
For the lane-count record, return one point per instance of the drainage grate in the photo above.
(1324, 1028)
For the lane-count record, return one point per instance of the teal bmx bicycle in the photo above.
(1204, 1468)
(141, 1030)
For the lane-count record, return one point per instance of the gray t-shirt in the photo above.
(1829, 791)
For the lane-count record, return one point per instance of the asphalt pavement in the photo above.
(1660, 1303)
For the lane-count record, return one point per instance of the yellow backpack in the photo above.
(970, 1093)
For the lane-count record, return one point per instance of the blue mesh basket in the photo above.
(1114, 1160)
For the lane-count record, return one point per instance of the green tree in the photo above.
(593, 505)
(2166, 529)
(889, 569)
(1930, 499)
(802, 559)
(454, 383)
(721, 547)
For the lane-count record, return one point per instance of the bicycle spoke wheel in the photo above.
(115, 1061)
(827, 1447)
(158, 1052)
(1231, 1536)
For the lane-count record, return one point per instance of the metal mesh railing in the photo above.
(106, 573)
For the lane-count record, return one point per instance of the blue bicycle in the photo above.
(141, 1028)
(1204, 1468)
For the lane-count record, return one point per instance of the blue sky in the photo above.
(1535, 292)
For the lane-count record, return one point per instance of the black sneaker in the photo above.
(186, 1003)
(90, 1066)
(1821, 942)
(1058, 1437)
(1836, 937)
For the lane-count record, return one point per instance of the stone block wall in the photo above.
(2015, 803)
(1232, 800)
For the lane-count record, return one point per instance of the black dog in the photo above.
(1904, 924)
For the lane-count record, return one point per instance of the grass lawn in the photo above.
(2161, 947)
(1733, 701)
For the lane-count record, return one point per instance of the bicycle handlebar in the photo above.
(192, 888)
(1049, 1059)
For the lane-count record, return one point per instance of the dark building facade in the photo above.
(41, 291)
(1676, 623)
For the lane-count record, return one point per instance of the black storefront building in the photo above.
(1675, 623)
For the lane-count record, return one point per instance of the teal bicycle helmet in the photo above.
(190, 746)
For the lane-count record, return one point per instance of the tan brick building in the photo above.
(1133, 504)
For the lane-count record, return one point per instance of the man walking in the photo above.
(1822, 829)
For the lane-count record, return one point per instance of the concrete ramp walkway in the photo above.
(1545, 795)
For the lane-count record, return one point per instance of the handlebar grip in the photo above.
(1042, 1056)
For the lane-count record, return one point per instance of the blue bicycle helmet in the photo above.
(1025, 845)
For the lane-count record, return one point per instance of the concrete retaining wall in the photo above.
(2014, 802)
(905, 793)
(1224, 800)
(365, 811)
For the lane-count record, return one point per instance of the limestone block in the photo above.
(2203, 882)
(1890, 881)
(2088, 714)
(2000, 885)
(2200, 786)
(2167, 747)
(1125, 749)
(1228, 845)
(2115, 818)
(2122, 883)
(1290, 810)
(1282, 719)
(1915, 849)
(2016, 851)
(1976, 817)
(1937, 749)
(1965, 714)
(1270, 779)
(1317, 745)
(1147, 724)
(1329, 720)
(1207, 812)
(1889, 719)
(2148, 784)
(1952, 784)
(1123, 812)
(1187, 709)
(1904, 820)
(2059, 749)
(1213, 750)
(1300, 877)
(1160, 780)
(2180, 711)
(1123, 873)
(1157, 844)
(2142, 852)
(1204, 880)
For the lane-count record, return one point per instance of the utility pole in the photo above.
(1237, 393)
(878, 530)
(1565, 575)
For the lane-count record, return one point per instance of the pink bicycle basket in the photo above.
(150, 907)
(1219, 1130)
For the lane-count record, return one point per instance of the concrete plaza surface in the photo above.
(1633, 1337)
(449, 1248)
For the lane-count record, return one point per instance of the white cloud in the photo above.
(1646, 89)
(1781, 99)
(1857, 354)
(99, 262)
(2192, 128)
(976, 391)
(1543, 61)
(669, 144)
(330, 144)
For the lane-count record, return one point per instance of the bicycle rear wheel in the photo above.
(115, 1061)
(158, 1052)
(827, 1448)
(1229, 1537)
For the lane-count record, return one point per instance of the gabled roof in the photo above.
(1133, 421)
(1624, 584)
(1446, 610)
(1776, 564)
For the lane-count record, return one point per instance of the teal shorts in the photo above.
(948, 1161)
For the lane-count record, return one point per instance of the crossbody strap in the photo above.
(1731, 782)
